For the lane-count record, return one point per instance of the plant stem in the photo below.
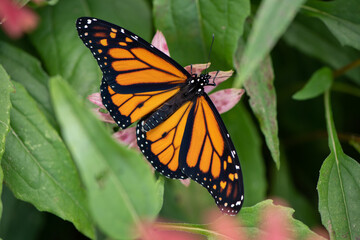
(346, 68)
(190, 228)
(346, 88)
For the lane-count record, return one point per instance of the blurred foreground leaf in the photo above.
(121, 188)
(37, 166)
(272, 19)
(339, 187)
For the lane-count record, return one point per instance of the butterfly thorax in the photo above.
(193, 88)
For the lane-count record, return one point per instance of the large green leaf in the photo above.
(310, 36)
(339, 187)
(121, 188)
(5, 105)
(318, 83)
(272, 19)
(62, 51)
(26, 70)
(37, 166)
(188, 26)
(342, 19)
(261, 90)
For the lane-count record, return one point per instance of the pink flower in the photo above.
(16, 20)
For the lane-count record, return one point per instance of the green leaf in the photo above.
(311, 37)
(37, 166)
(251, 223)
(342, 19)
(318, 83)
(272, 19)
(249, 217)
(339, 187)
(62, 51)
(5, 105)
(26, 70)
(121, 188)
(188, 26)
(260, 88)
(247, 143)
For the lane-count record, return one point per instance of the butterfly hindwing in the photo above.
(208, 156)
(161, 145)
(126, 109)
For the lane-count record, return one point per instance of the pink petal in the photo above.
(185, 182)
(220, 77)
(226, 99)
(159, 42)
(95, 98)
(226, 227)
(127, 137)
(105, 117)
(275, 225)
(197, 68)
(16, 20)
(151, 231)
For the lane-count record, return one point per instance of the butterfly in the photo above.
(178, 130)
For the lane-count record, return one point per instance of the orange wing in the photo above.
(137, 77)
(208, 156)
(161, 145)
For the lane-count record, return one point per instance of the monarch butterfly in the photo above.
(179, 130)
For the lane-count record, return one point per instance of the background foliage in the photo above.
(298, 62)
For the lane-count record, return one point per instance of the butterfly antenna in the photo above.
(215, 77)
(212, 42)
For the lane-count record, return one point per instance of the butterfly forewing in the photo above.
(132, 68)
(208, 156)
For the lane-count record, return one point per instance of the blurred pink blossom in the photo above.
(152, 231)
(226, 227)
(16, 20)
